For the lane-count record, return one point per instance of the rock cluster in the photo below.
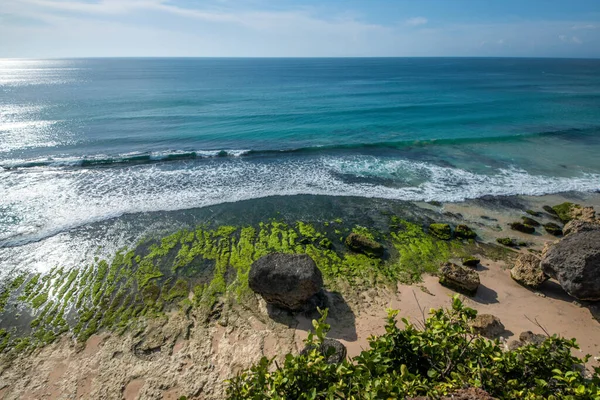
(289, 281)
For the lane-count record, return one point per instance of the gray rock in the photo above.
(463, 280)
(577, 225)
(575, 263)
(528, 271)
(288, 281)
(331, 348)
(488, 326)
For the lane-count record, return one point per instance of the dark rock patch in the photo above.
(518, 226)
(288, 281)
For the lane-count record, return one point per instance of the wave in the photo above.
(179, 155)
(43, 204)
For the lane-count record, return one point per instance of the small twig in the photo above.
(537, 323)
(420, 309)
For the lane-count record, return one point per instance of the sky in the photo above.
(300, 28)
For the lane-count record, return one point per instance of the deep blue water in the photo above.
(88, 139)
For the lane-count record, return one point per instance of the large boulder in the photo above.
(575, 263)
(288, 281)
(458, 278)
(528, 271)
(334, 350)
(487, 325)
(362, 244)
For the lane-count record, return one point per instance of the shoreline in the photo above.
(197, 352)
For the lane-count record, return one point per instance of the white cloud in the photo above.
(570, 39)
(416, 21)
(585, 26)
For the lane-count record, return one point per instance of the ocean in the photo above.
(85, 141)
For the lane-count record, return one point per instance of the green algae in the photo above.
(419, 252)
(201, 267)
(564, 210)
(441, 231)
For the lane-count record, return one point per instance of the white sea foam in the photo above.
(40, 202)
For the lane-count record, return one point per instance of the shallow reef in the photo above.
(198, 268)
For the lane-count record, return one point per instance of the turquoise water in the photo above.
(90, 139)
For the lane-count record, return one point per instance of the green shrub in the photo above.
(444, 356)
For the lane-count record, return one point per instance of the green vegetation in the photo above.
(446, 355)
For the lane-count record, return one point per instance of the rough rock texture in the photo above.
(464, 232)
(575, 263)
(286, 280)
(577, 225)
(362, 244)
(461, 279)
(553, 229)
(527, 338)
(528, 271)
(329, 345)
(517, 226)
(584, 214)
(441, 231)
(488, 326)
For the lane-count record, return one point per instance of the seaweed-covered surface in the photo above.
(206, 262)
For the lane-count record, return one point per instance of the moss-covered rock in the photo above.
(534, 213)
(550, 211)
(553, 229)
(506, 241)
(518, 226)
(464, 232)
(530, 221)
(564, 211)
(441, 231)
(362, 244)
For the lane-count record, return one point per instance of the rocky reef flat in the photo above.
(170, 311)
